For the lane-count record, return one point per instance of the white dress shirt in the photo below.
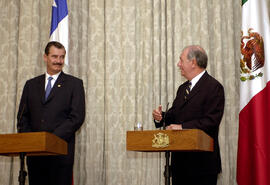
(196, 79)
(53, 80)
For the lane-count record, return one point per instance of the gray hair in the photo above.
(199, 54)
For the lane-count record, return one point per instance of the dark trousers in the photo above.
(208, 179)
(48, 170)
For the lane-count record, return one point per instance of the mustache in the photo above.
(57, 63)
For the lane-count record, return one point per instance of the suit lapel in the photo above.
(41, 88)
(182, 100)
(198, 86)
(196, 89)
(56, 87)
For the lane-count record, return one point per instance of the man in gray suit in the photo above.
(53, 102)
(199, 104)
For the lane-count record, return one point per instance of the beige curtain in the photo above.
(126, 53)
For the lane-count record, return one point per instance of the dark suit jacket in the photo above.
(62, 114)
(203, 110)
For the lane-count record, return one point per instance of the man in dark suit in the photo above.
(199, 104)
(61, 111)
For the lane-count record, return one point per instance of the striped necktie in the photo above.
(48, 88)
(187, 91)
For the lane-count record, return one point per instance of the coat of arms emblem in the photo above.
(252, 55)
(160, 140)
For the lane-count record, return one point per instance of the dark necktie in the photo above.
(48, 88)
(187, 91)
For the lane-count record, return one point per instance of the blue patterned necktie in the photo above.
(48, 88)
(187, 90)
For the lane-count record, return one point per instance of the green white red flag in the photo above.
(253, 157)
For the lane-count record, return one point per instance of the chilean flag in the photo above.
(59, 24)
(253, 157)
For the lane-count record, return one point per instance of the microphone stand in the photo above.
(167, 155)
(22, 173)
(167, 168)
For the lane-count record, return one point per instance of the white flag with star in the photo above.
(59, 24)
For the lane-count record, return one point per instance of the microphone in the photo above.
(19, 126)
(164, 125)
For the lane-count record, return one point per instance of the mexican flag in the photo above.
(253, 158)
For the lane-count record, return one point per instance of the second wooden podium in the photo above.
(169, 140)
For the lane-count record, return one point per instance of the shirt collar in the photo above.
(55, 76)
(196, 79)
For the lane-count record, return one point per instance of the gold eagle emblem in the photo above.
(252, 55)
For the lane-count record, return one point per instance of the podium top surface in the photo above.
(32, 143)
(169, 140)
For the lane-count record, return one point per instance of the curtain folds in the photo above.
(126, 53)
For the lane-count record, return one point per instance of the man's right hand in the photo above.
(157, 113)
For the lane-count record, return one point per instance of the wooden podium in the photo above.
(31, 143)
(169, 140)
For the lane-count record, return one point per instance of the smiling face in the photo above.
(55, 60)
(186, 66)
